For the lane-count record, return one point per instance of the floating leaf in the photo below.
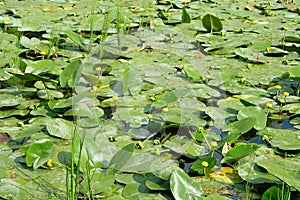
(287, 140)
(121, 158)
(238, 152)
(60, 128)
(255, 112)
(39, 67)
(49, 94)
(192, 74)
(199, 167)
(155, 183)
(226, 175)
(237, 128)
(286, 169)
(212, 23)
(39, 153)
(295, 72)
(184, 188)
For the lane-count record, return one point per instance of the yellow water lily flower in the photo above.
(49, 163)
(204, 164)
(165, 109)
(115, 98)
(281, 100)
(277, 87)
(140, 145)
(214, 143)
(243, 80)
(269, 104)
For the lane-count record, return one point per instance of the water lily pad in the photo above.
(255, 112)
(60, 128)
(39, 67)
(184, 188)
(286, 169)
(10, 100)
(212, 23)
(39, 153)
(239, 152)
(49, 94)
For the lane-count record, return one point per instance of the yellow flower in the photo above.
(49, 163)
(165, 109)
(200, 129)
(5, 22)
(20, 123)
(100, 37)
(149, 115)
(204, 164)
(214, 143)
(111, 138)
(268, 49)
(152, 98)
(243, 80)
(223, 33)
(277, 87)
(281, 100)
(122, 25)
(286, 94)
(140, 145)
(43, 52)
(269, 104)
(285, 28)
(115, 98)
(98, 69)
(265, 138)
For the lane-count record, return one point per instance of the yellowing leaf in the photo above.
(226, 175)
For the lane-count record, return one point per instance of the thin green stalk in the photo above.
(73, 192)
(91, 21)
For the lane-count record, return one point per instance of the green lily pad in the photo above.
(184, 188)
(255, 112)
(239, 151)
(60, 128)
(40, 66)
(287, 140)
(286, 169)
(212, 23)
(39, 153)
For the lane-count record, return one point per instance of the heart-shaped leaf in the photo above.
(184, 188)
(212, 23)
(39, 153)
